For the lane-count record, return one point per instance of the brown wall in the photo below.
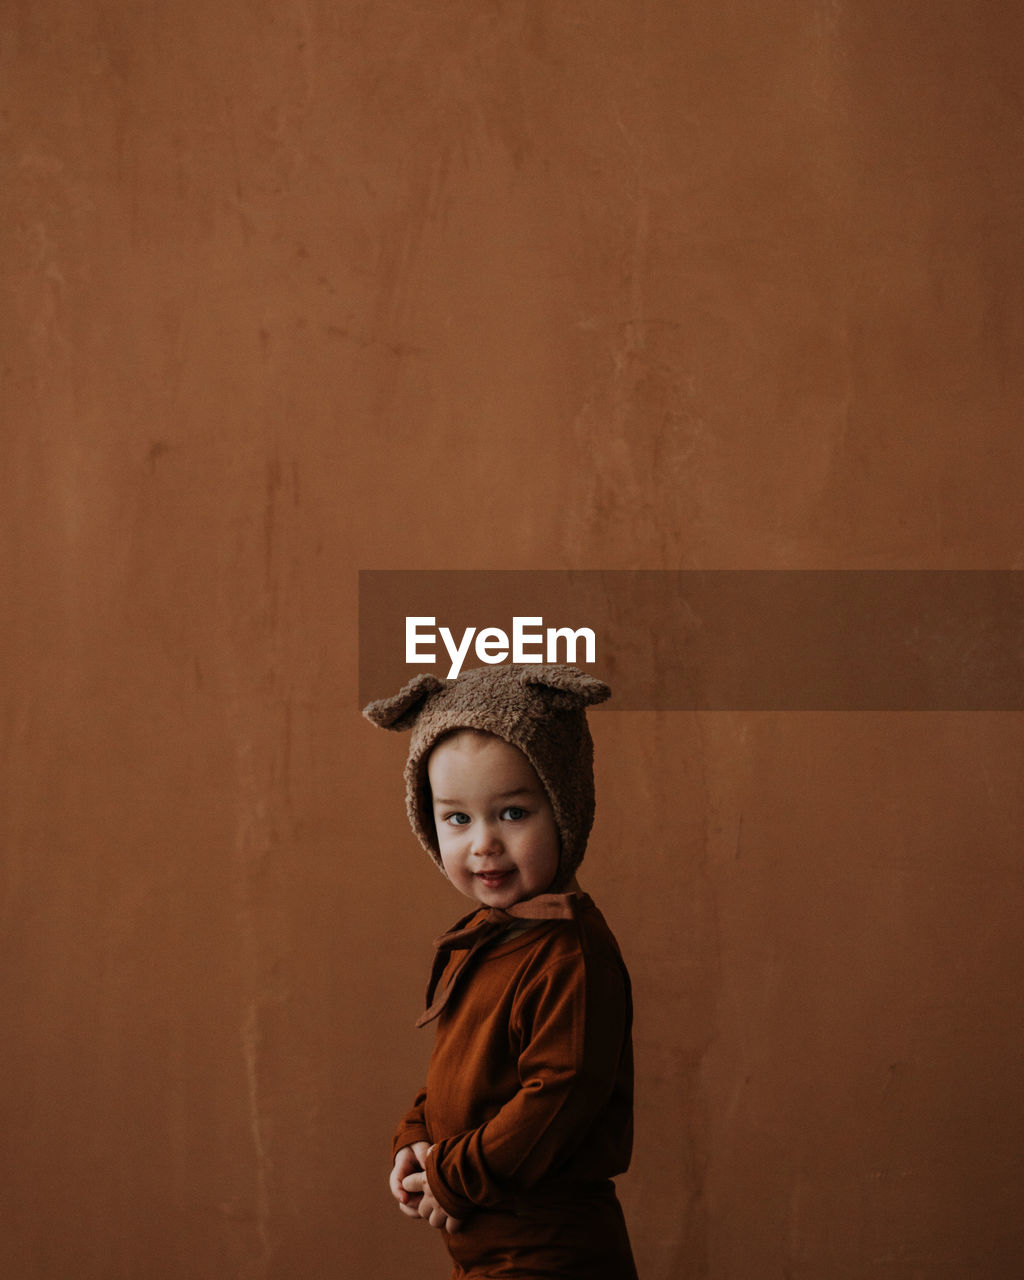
(305, 287)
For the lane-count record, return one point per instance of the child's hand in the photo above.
(428, 1209)
(408, 1161)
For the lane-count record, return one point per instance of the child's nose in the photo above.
(486, 840)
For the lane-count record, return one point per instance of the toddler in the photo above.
(527, 1112)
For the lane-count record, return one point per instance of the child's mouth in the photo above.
(493, 879)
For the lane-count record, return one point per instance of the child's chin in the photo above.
(500, 895)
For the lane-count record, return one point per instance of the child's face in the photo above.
(496, 830)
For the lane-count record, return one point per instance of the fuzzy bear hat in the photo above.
(539, 709)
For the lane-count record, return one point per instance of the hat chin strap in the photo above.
(564, 881)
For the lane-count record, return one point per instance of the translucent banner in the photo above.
(714, 640)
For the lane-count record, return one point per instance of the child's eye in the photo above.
(513, 813)
(457, 819)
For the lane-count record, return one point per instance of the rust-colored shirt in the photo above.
(529, 1093)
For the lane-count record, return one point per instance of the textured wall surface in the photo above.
(297, 288)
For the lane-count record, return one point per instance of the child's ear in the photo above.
(566, 687)
(401, 711)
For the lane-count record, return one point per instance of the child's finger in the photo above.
(415, 1182)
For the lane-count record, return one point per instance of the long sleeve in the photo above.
(568, 1027)
(413, 1126)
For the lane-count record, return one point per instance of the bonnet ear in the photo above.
(402, 710)
(567, 688)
